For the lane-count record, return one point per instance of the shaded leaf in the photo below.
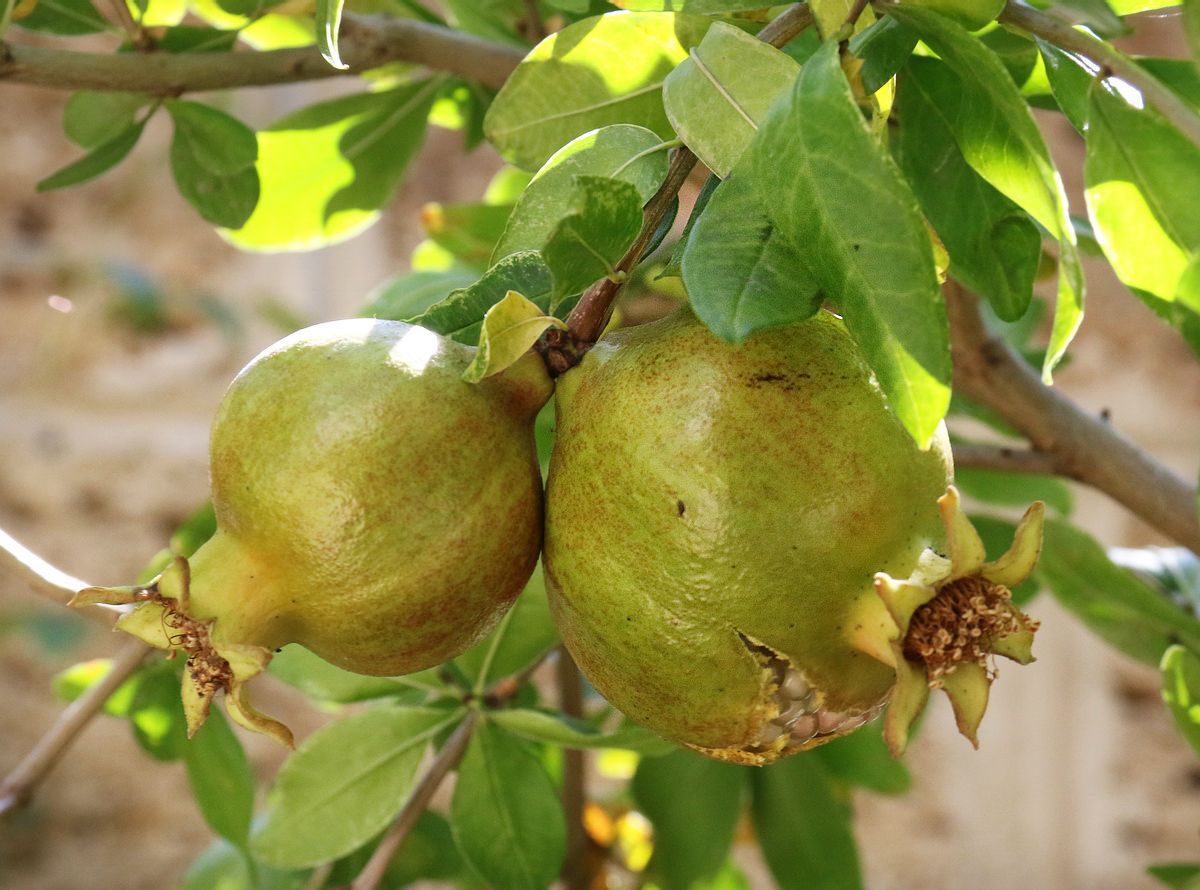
(224, 867)
(864, 239)
(64, 17)
(741, 273)
(717, 96)
(622, 151)
(90, 119)
(505, 813)
(411, 293)
(998, 136)
(460, 315)
(212, 160)
(326, 170)
(1014, 489)
(862, 758)
(803, 827)
(322, 681)
(221, 779)
(1114, 603)
(99, 160)
(569, 732)
(343, 784)
(525, 634)
(994, 246)
(567, 85)
(694, 804)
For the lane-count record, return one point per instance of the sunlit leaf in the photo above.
(832, 190)
(328, 169)
(569, 85)
(1181, 691)
(510, 328)
(717, 96)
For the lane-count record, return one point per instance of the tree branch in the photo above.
(1110, 61)
(366, 42)
(1007, 460)
(1079, 445)
(447, 758)
(18, 787)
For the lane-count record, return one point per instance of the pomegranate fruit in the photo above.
(371, 506)
(724, 527)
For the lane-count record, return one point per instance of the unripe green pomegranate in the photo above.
(371, 506)
(723, 524)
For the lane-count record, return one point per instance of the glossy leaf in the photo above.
(716, 98)
(862, 758)
(1096, 15)
(741, 273)
(329, 18)
(567, 85)
(694, 804)
(1181, 691)
(343, 784)
(994, 246)
(505, 813)
(99, 160)
(1117, 605)
(460, 315)
(803, 827)
(844, 201)
(221, 778)
(1070, 79)
(524, 635)
(559, 729)
(1139, 176)
(90, 119)
(623, 152)
(998, 136)
(327, 169)
(603, 217)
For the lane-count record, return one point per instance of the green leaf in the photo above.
(970, 14)
(505, 813)
(1181, 689)
(804, 827)
(998, 136)
(326, 170)
(411, 293)
(99, 160)
(862, 758)
(674, 266)
(1096, 15)
(224, 867)
(1070, 79)
(831, 190)
(320, 680)
(883, 48)
(468, 231)
(1177, 875)
(741, 274)
(194, 39)
(994, 246)
(90, 119)
(1118, 606)
(1173, 571)
(525, 634)
(621, 151)
(1138, 177)
(717, 96)
(156, 713)
(460, 315)
(329, 18)
(344, 784)
(510, 328)
(221, 779)
(1191, 28)
(698, 7)
(73, 682)
(1014, 489)
(604, 216)
(212, 159)
(569, 732)
(65, 17)
(568, 85)
(694, 804)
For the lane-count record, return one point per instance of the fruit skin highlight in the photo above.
(371, 506)
(716, 519)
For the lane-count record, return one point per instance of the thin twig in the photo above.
(45, 579)
(574, 796)
(590, 315)
(1008, 460)
(18, 787)
(447, 758)
(366, 42)
(1081, 446)
(1110, 60)
(535, 28)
